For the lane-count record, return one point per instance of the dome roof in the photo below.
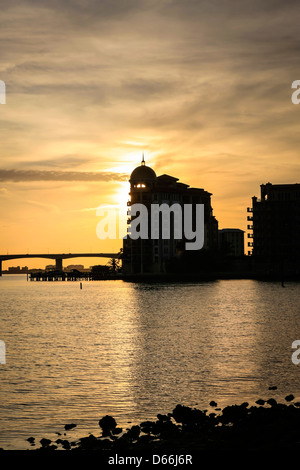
(142, 174)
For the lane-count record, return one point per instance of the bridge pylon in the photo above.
(58, 264)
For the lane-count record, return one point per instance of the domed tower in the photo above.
(142, 179)
(138, 253)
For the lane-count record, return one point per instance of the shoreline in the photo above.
(167, 277)
(268, 425)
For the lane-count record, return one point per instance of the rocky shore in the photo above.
(267, 425)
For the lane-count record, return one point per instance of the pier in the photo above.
(60, 276)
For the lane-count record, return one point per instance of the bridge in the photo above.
(58, 257)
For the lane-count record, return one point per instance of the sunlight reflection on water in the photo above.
(135, 350)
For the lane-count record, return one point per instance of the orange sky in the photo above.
(202, 88)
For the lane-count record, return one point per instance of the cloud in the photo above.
(44, 206)
(3, 192)
(61, 161)
(38, 175)
(204, 86)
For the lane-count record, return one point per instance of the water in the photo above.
(135, 350)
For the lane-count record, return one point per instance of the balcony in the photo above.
(250, 235)
(250, 244)
(249, 209)
(250, 217)
(250, 227)
(128, 203)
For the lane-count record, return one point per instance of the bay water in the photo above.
(132, 350)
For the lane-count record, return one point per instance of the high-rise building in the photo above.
(275, 222)
(152, 255)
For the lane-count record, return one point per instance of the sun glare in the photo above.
(122, 195)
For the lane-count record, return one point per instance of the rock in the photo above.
(65, 444)
(245, 404)
(272, 402)
(133, 433)
(289, 397)
(145, 439)
(188, 416)
(163, 418)
(107, 423)
(90, 442)
(233, 414)
(147, 426)
(117, 431)
(213, 403)
(45, 442)
(260, 402)
(69, 426)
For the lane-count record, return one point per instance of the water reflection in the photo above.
(133, 350)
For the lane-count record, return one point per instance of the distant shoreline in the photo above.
(177, 277)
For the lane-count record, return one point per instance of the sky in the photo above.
(202, 88)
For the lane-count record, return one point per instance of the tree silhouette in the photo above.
(114, 265)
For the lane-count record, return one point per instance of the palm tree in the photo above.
(114, 265)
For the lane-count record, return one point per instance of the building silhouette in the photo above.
(17, 269)
(275, 223)
(156, 255)
(231, 241)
